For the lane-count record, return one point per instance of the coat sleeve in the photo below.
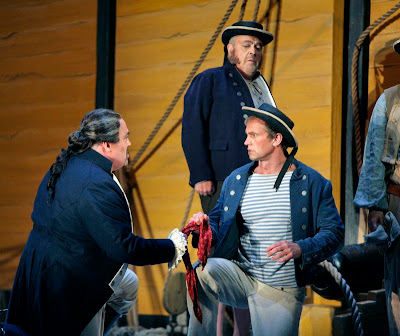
(195, 128)
(371, 190)
(328, 227)
(104, 212)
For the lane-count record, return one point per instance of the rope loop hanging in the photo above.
(354, 84)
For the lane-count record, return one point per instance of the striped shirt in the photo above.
(266, 216)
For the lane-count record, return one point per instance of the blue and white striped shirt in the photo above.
(266, 216)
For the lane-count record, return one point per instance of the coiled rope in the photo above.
(354, 84)
(355, 314)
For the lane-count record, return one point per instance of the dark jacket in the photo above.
(76, 246)
(213, 130)
(316, 224)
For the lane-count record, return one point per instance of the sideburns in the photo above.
(232, 57)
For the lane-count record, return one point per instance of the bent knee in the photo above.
(212, 268)
(130, 285)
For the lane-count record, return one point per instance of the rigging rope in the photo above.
(354, 84)
(188, 79)
(182, 88)
(188, 206)
(256, 9)
(242, 10)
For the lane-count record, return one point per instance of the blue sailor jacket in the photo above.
(78, 243)
(316, 224)
(213, 130)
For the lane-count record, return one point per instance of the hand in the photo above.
(375, 218)
(283, 251)
(205, 188)
(198, 219)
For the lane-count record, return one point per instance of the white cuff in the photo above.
(180, 242)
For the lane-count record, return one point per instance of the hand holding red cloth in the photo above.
(203, 252)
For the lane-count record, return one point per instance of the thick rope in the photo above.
(182, 88)
(256, 9)
(242, 10)
(188, 206)
(354, 84)
(358, 330)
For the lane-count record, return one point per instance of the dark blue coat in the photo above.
(76, 246)
(316, 224)
(213, 131)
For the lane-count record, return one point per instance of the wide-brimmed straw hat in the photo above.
(280, 123)
(251, 28)
(396, 46)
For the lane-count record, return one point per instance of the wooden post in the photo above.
(357, 15)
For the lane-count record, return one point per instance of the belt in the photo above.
(393, 189)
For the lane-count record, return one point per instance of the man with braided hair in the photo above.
(75, 260)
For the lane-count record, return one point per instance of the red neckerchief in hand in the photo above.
(202, 253)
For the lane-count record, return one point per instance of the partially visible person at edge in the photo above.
(379, 189)
(212, 124)
(72, 278)
(275, 219)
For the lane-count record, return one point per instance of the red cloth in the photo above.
(203, 252)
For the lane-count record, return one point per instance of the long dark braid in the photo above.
(100, 125)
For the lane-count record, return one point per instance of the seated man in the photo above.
(275, 218)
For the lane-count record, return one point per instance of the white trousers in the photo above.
(121, 301)
(273, 311)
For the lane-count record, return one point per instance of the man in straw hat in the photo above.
(379, 190)
(274, 220)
